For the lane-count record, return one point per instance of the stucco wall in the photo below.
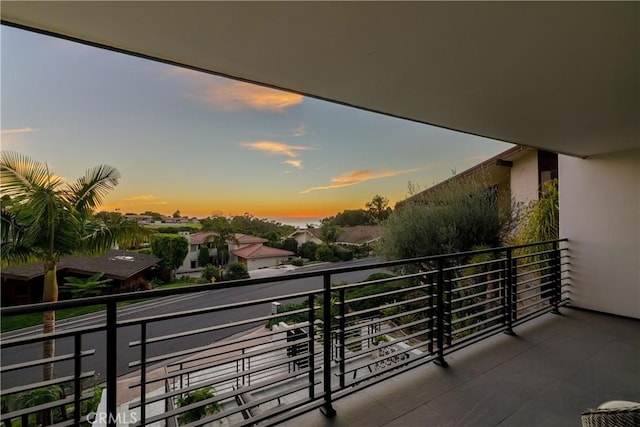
(600, 215)
(524, 178)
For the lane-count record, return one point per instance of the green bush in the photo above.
(237, 271)
(324, 253)
(308, 250)
(298, 262)
(196, 413)
(290, 244)
(459, 215)
(211, 272)
(343, 254)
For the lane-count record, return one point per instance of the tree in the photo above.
(171, 249)
(224, 233)
(154, 215)
(203, 256)
(290, 244)
(85, 286)
(352, 217)
(176, 214)
(48, 219)
(463, 214)
(378, 208)
(329, 232)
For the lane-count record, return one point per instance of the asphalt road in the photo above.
(165, 305)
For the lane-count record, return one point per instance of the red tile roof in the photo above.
(258, 250)
(202, 236)
(245, 239)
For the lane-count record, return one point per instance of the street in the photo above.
(165, 305)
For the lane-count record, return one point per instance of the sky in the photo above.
(207, 145)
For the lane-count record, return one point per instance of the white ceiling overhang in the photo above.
(557, 75)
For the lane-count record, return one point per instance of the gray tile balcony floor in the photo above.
(553, 370)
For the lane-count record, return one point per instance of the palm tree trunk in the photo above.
(50, 294)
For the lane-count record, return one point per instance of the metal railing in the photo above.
(219, 363)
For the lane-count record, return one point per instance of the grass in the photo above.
(11, 323)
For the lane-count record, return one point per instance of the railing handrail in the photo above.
(132, 296)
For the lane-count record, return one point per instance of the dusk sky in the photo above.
(209, 145)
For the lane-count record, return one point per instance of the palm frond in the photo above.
(88, 191)
(20, 175)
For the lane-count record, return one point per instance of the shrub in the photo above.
(343, 254)
(211, 272)
(196, 413)
(237, 270)
(290, 244)
(463, 213)
(324, 253)
(298, 262)
(308, 250)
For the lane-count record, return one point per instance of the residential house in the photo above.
(239, 241)
(304, 235)
(129, 271)
(517, 173)
(351, 236)
(359, 235)
(256, 256)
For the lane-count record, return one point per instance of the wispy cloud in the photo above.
(358, 176)
(296, 163)
(10, 136)
(280, 149)
(301, 130)
(237, 96)
(141, 198)
(19, 130)
(274, 147)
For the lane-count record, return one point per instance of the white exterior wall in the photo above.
(524, 178)
(600, 215)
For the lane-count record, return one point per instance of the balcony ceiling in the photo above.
(560, 76)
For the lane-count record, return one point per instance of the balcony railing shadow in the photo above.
(221, 365)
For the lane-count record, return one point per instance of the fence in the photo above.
(217, 363)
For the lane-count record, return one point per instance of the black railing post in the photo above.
(508, 295)
(556, 279)
(77, 373)
(112, 364)
(432, 313)
(343, 337)
(143, 371)
(327, 409)
(440, 313)
(312, 352)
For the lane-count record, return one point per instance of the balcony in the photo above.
(370, 360)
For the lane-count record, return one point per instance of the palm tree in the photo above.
(45, 218)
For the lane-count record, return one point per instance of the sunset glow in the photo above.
(206, 145)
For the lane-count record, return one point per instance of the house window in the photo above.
(194, 248)
(194, 264)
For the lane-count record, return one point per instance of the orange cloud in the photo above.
(274, 147)
(356, 177)
(236, 96)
